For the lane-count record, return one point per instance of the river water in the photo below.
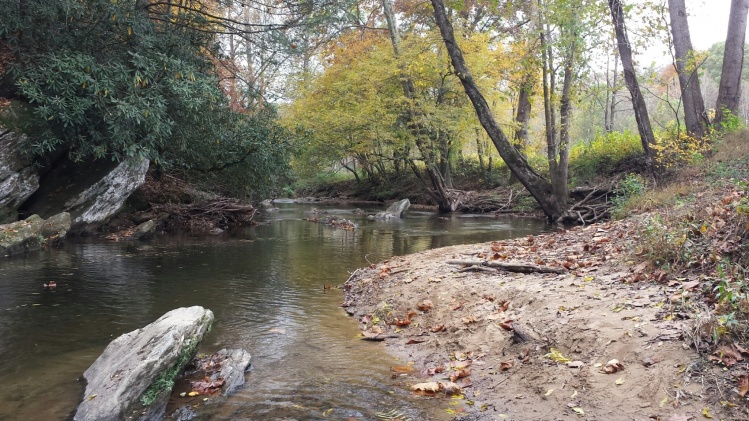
(265, 287)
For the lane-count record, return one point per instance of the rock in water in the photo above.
(394, 211)
(139, 367)
(21, 236)
(232, 371)
(18, 177)
(56, 226)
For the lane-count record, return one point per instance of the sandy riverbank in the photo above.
(458, 328)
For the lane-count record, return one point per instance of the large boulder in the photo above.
(134, 375)
(18, 177)
(394, 211)
(90, 192)
(21, 236)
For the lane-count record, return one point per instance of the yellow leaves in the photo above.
(557, 356)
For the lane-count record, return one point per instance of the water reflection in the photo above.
(265, 286)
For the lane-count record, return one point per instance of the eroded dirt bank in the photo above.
(464, 329)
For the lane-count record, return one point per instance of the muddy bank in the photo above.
(540, 346)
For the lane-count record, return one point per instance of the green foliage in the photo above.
(731, 122)
(104, 79)
(603, 154)
(630, 187)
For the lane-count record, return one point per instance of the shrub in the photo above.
(603, 154)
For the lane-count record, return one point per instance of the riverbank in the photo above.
(646, 319)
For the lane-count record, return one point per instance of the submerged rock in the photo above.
(394, 211)
(135, 373)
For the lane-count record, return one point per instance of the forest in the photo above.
(261, 99)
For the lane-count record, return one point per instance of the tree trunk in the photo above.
(729, 92)
(440, 192)
(537, 186)
(630, 77)
(686, 68)
(559, 180)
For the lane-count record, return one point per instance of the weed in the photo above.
(631, 186)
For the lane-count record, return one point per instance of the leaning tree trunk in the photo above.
(537, 186)
(729, 92)
(638, 102)
(686, 68)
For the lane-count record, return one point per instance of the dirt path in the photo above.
(459, 333)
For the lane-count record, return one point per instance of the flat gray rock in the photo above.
(118, 380)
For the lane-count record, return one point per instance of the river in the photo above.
(265, 285)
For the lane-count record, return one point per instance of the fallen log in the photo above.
(509, 267)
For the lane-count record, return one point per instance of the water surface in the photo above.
(265, 287)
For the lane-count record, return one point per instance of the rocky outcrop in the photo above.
(90, 192)
(394, 211)
(104, 198)
(135, 373)
(18, 178)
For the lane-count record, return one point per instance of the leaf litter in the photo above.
(604, 315)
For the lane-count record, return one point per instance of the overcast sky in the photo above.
(708, 21)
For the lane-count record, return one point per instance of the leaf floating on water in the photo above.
(557, 356)
(191, 394)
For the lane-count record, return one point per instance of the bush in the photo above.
(604, 154)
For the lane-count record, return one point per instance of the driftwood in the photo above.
(223, 212)
(509, 267)
(594, 206)
(486, 202)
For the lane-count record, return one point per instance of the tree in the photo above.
(638, 102)
(729, 91)
(686, 66)
(537, 186)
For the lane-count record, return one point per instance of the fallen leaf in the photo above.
(468, 320)
(457, 306)
(619, 381)
(557, 356)
(402, 369)
(438, 328)
(193, 394)
(425, 305)
(578, 410)
(432, 387)
(706, 413)
(743, 385)
(506, 365)
(613, 366)
(549, 392)
(460, 374)
(506, 325)
(414, 341)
